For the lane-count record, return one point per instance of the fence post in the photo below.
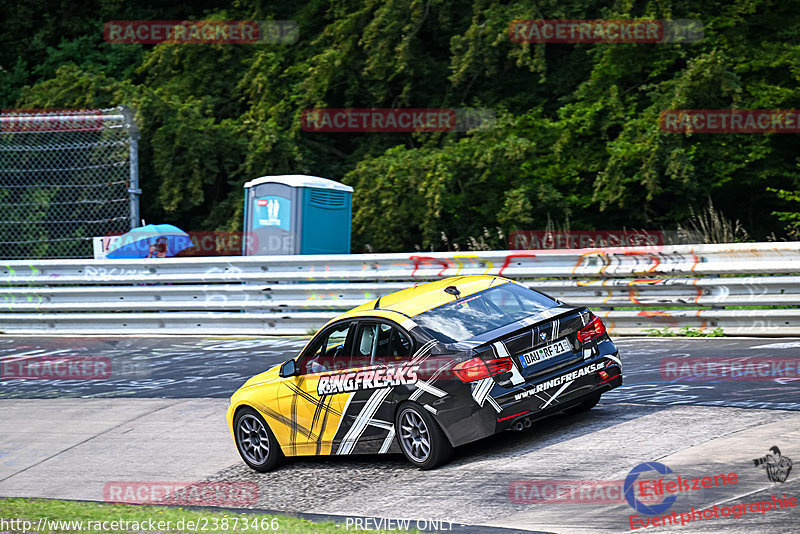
(133, 190)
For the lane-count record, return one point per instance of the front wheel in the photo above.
(421, 438)
(255, 441)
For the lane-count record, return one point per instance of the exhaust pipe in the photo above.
(521, 425)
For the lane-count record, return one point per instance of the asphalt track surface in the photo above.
(159, 416)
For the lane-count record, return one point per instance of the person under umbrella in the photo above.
(159, 248)
(150, 241)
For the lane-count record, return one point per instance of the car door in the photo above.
(368, 425)
(332, 405)
(311, 418)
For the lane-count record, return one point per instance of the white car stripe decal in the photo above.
(380, 424)
(387, 442)
(556, 394)
(344, 411)
(421, 353)
(516, 377)
(420, 390)
(357, 429)
(481, 389)
(502, 351)
(427, 388)
(494, 404)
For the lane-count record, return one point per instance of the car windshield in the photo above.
(482, 312)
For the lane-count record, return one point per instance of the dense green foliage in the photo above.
(577, 129)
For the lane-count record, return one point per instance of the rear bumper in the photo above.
(465, 422)
(556, 393)
(493, 406)
(507, 421)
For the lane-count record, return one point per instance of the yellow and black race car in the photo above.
(424, 370)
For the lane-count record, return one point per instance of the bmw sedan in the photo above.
(424, 370)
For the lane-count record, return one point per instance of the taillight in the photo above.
(500, 365)
(594, 329)
(476, 369)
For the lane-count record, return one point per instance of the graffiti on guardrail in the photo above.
(229, 272)
(602, 260)
(93, 273)
(612, 261)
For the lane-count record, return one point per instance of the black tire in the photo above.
(421, 439)
(585, 406)
(255, 441)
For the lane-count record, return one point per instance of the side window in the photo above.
(327, 353)
(373, 344)
(401, 346)
(384, 340)
(366, 344)
(392, 344)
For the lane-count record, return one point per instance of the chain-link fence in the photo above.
(65, 177)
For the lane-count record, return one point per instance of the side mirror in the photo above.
(288, 369)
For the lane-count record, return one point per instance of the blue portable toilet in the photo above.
(296, 214)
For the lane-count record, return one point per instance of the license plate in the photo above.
(545, 353)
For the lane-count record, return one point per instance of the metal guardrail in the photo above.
(598, 294)
(671, 286)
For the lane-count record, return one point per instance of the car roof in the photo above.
(421, 298)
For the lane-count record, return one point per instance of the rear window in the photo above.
(482, 312)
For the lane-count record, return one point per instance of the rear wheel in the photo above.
(421, 438)
(255, 441)
(585, 406)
